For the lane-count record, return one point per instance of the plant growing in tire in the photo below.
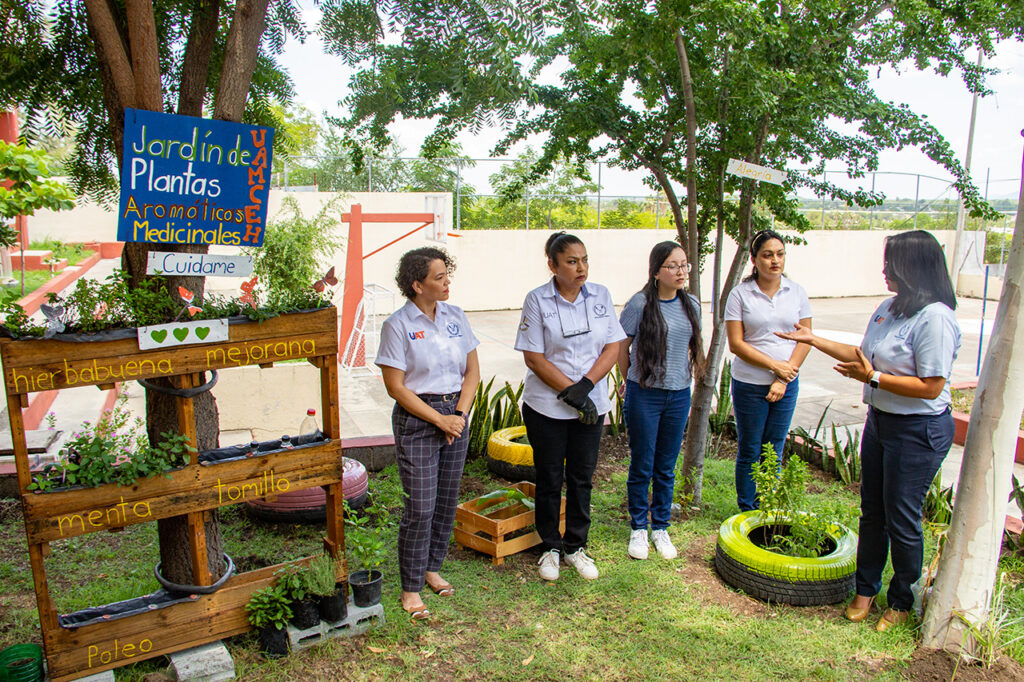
(782, 552)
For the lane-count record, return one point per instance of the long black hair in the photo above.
(652, 332)
(755, 245)
(915, 261)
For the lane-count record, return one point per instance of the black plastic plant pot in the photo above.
(334, 607)
(305, 614)
(21, 663)
(366, 587)
(273, 641)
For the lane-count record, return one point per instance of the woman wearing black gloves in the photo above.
(569, 337)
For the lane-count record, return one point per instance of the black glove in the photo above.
(588, 413)
(578, 394)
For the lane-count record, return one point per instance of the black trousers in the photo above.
(900, 455)
(563, 450)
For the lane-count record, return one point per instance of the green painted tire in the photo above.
(801, 581)
(508, 459)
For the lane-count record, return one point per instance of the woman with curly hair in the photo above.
(428, 359)
(658, 358)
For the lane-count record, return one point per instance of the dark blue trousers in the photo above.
(900, 455)
(655, 421)
(758, 422)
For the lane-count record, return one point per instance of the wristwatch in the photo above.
(873, 379)
(460, 413)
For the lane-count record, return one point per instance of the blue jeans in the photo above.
(655, 421)
(758, 422)
(900, 455)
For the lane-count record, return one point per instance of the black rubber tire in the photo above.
(778, 591)
(511, 472)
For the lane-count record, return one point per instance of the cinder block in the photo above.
(207, 663)
(105, 676)
(358, 621)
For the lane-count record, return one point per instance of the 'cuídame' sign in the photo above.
(187, 180)
(175, 264)
(752, 170)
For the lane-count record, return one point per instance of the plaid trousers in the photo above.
(430, 470)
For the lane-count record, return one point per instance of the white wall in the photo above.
(496, 268)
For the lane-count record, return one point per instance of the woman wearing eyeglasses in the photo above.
(662, 323)
(569, 337)
(764, 372)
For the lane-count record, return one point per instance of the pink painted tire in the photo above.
(310, 505)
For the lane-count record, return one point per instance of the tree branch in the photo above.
(195, 68)
(240, 59)
(145, 60)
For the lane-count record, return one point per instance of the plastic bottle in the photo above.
(309, 428)
(286, 443)
(254, 448)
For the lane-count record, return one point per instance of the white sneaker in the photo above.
(663, 543)
(638, 544)
(583, 564)
(549, 564)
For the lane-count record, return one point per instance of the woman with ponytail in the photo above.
(764, 373)
(658, 359)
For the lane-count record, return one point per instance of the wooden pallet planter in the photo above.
(192, 491)
(499, 533)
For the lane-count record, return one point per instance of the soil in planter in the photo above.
(963, 400)
(764, 537)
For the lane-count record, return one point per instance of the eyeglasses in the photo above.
(677, 267)
(567, 334)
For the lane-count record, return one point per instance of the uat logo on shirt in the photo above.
(415, 335)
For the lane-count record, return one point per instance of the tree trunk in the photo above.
(967, 570)
(693, 238)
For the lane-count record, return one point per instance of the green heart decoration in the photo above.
(159, 335)
(180, 333)
(202, 332)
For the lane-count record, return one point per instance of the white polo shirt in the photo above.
(551, 326)
(762, 317)
(432, 353)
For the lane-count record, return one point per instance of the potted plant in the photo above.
(367, 545)
(330, 594)
(269, 612)
(294, 582)
(781, 552)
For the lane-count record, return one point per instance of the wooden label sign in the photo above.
(197, 265)
(752, 170)
(182, 333)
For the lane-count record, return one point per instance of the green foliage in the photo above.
(293, 580)
(938, 503)
(365, 534)
(294, 249)
(988, 638)
(617, 426)
(493, 413)
(24, 192)
(115, 450)
(719, 420)
(320, 576)
(74, 253)
(508, 497)
(812, 449)
(269, 607)
(782, 498)
(847, 455)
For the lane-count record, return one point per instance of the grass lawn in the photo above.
(33, 280)
(641, 620)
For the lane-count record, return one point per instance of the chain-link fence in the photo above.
(913, 200)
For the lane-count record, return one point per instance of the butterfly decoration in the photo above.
(54, 325)
(188, 296)
(328, 279)
(247, 288)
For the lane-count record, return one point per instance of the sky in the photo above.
(321, 83)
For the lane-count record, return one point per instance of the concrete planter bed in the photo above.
(962, 419)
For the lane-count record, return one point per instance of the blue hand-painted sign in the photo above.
(188, 180)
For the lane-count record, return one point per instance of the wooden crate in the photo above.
(486, 531)
(192, 491)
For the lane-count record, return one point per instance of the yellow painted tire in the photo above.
(510, 460)
(769, 576)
